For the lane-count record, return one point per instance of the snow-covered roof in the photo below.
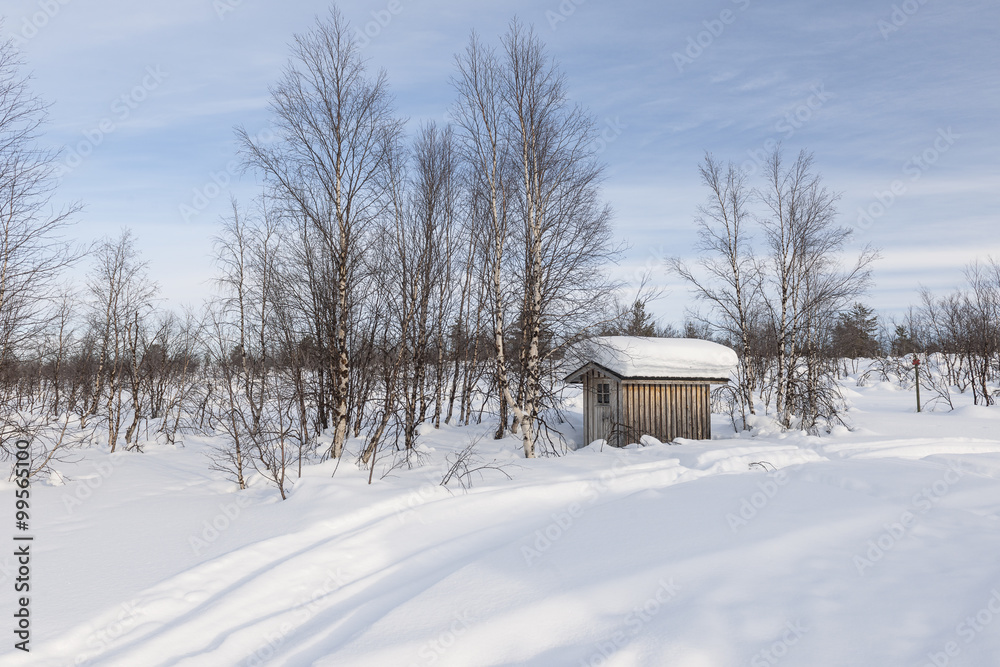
(642, 357)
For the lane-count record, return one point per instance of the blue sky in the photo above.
(898, 101)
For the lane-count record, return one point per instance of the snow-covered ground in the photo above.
(877, 546)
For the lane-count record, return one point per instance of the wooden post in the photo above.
(916, 369)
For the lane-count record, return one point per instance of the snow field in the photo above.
(876, 546)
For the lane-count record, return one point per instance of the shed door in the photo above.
(603, 413)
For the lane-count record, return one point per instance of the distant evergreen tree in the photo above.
(635, 321)
(667, 331)
(854, 335)
(903, 342)
(638, 322)
(697, 330)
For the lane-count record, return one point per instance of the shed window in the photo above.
(604, 393)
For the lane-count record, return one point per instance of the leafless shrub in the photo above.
(466, 466)
(934, 382)
(965, 326)
(729, 400)
(886, 369)
(403, 459)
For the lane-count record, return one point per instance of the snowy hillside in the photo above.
(872, 547)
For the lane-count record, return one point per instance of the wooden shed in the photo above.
(635, 386)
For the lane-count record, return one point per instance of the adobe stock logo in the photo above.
(380, 20)
(914, 168)
(899, 17)
(612, 129)
(699, 43)
(566, 9)
(31, 25)
(121, 110)
(796, 119)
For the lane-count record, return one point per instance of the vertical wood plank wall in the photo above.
(667, 411)
(664, 410)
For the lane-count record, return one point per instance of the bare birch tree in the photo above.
(535, 172)
(335, 124)
(806, 282)
(726, 275)
(120, 301)
(32, 249)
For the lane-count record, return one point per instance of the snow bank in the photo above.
(634, 356)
